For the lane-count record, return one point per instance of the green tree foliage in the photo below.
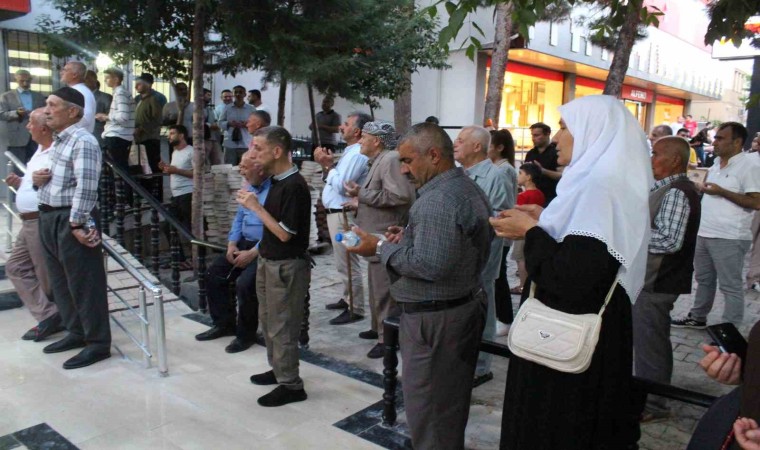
(358, 49)
(526, 13)
(157, 33)
(728, 19)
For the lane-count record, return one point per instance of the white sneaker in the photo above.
(756, 286)
(502, 329)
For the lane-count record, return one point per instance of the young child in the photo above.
(526, 179)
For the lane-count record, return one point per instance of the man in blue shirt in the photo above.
(238, 265)
(352, 167)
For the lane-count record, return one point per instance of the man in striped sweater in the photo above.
(120, 122)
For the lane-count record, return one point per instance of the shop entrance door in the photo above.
(638, 110)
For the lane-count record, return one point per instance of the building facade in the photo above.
(671, 73)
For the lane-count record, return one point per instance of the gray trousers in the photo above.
(77, 279)
(27, 270)
(438, 352)
(281, 287)
(489, 332)
(753, 275)
(335, 225)
(652, 351)
(720, 260)
(380, 302)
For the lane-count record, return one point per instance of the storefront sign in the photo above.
(636, 94)
(22, 6)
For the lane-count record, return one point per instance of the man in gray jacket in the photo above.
(382, 202)
(15, 107)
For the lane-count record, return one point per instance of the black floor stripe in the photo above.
(367, 423)
(10, 300)
(38, 437)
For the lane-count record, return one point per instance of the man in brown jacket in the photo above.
(382, 202)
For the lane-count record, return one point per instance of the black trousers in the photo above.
(77, 279)
(503, 298)
(222, 308)
(182, 209)
(153, 150)
(118, 149)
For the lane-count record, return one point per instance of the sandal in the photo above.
(185, 265)
(517, 290)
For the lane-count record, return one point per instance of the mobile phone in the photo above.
(728, 339)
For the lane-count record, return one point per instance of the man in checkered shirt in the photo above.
(675, 211)
(67, 196)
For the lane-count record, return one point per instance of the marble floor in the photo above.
(207, 402)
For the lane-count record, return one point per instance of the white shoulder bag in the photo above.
(558, 340)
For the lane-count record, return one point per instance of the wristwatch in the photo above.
(377, 249)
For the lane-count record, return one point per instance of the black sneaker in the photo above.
(482, 379)
(688, 322)
(215, 332)
(282, 396)
(31, 334)
(238, 345)
(346, 317)
(49, 327)
(377, 352)
(264, 379)
(340, 304)
(369, 334)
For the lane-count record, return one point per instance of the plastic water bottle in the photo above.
(91, 225)
(347, 238)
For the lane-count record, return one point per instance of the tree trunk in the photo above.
(199, 153)
(623, 47)
(402, 108)
(281, 101)
(753, 112)
(501, 43)
(315, 140)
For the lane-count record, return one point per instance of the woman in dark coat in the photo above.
(595, 233)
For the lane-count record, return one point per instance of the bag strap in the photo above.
(606, 300)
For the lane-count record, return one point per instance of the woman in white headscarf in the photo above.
(595, 232)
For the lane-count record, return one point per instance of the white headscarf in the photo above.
(604, 191)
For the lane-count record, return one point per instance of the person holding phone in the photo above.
(238, 265)
(733, 418)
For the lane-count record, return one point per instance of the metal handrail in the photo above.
(158, 206)
(158, 306)
(145, 283)
(12, 160)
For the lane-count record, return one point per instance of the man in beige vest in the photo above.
(382, 201)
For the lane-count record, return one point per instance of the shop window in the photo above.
(526, 100)
(27, 51)
(583, 91)
(667, 113)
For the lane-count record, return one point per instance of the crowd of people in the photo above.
(436, 220)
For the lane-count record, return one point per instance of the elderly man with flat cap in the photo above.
(68, 192)
(382, 202)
